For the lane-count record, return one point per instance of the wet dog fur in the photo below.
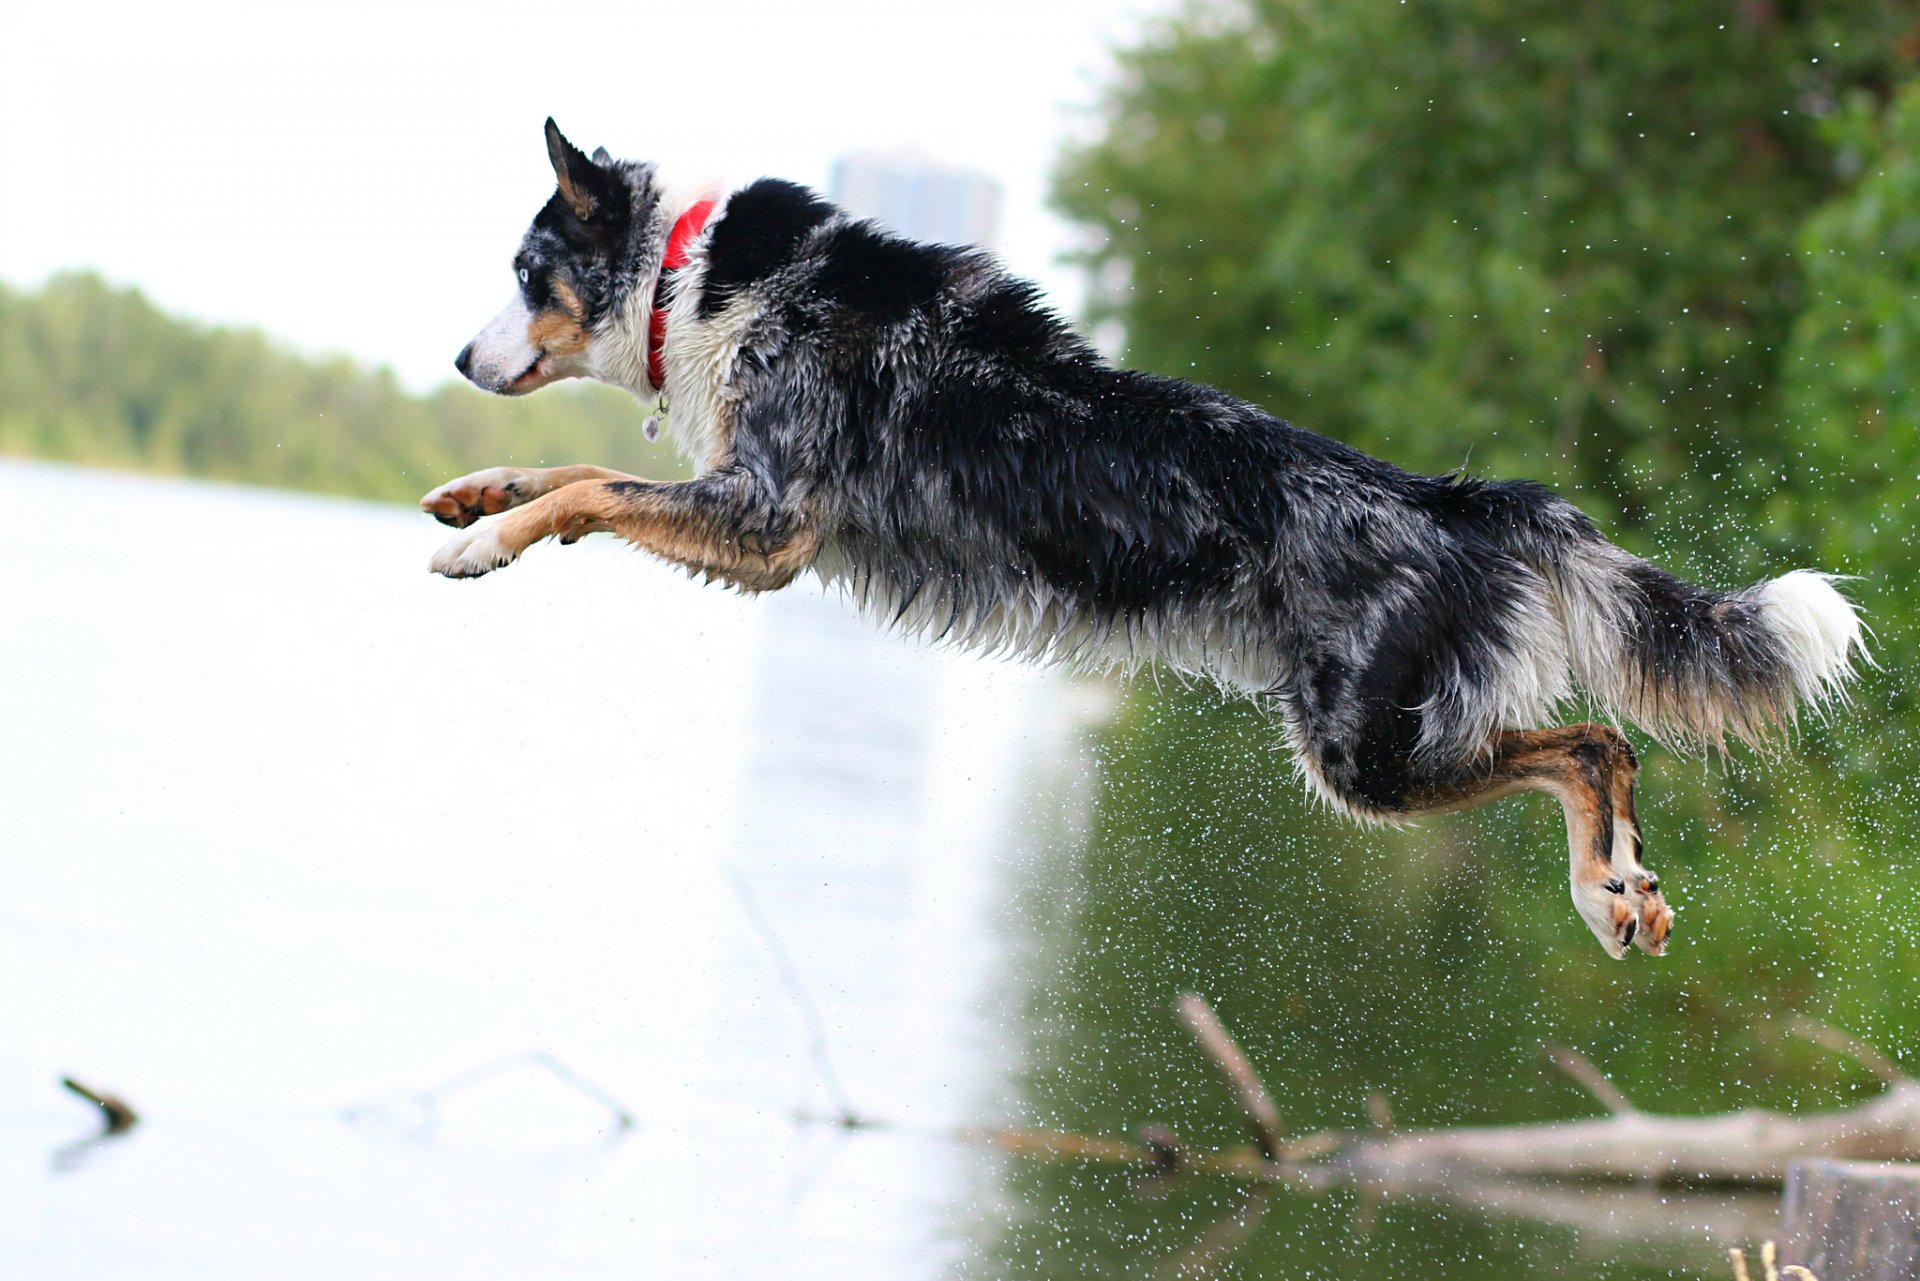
(911, 424)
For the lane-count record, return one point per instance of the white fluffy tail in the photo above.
(1818, 629)
(1690, 665)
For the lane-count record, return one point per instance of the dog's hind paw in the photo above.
(473, 553)
(1601, 900)
(1652, 916)
(483, 493)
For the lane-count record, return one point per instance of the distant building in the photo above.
(919, 197)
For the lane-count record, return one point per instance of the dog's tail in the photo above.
(1691, 665)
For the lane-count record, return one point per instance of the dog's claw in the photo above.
(1654, 917)
(1625, 926)
(1618, 914)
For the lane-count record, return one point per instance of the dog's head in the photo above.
(577, 268)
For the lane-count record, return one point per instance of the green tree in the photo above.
(1850, 377)
(1549, 239)
(1666, 257)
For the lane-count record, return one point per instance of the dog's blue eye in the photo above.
(523, 275)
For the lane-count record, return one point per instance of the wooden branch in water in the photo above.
(1055, 1145)
(1589, 1077)
(116, 1112)
(1542, 1171)
(418, 1111)
(1222, 1239)
(1622, 1222)
(1257, 1108)
(1859, 1051)
(1750, 1146)
(817, 1040)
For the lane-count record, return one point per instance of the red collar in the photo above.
(684, 230)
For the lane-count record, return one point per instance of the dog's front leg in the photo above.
(488, 493)
(725, 525)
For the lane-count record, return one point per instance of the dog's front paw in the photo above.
(483, 493)
(473, 553)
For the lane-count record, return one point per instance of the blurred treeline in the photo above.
(94, 374)
(1665, 257)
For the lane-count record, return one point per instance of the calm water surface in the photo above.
(328, 864)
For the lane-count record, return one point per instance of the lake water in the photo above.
(294, 827)
(378, 893)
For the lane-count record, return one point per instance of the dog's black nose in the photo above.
(464, 361)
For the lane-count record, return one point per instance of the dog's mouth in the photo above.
(533, 377)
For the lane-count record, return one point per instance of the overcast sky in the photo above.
(355, 177)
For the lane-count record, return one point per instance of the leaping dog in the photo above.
(910, 423)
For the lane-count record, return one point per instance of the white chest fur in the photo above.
(701, 358)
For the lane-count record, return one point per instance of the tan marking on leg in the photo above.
(1654, 916)
(496, 489)
(656, 518)
(1577, 765)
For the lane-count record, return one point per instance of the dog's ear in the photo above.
(583, 184)
(600, 156)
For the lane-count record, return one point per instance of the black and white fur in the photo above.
(910, 423)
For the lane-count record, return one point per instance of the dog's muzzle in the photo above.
(502, 357)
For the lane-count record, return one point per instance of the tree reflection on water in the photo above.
(1427, 966)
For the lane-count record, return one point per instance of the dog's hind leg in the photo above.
(1589, 769)
(723, 524)
(1643, 887)
(488, 493)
